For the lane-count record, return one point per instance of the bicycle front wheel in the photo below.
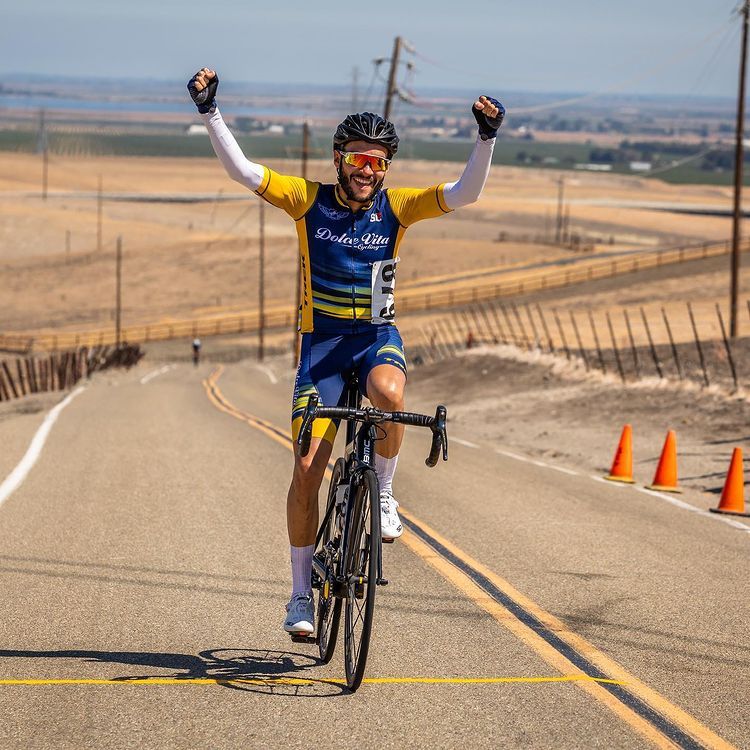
(361, 571)
(329, 606)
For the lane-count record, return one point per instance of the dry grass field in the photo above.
(187, 259)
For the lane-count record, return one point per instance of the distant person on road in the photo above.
(196, 351)
(349, 237)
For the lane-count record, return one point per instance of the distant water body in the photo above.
(93, 105)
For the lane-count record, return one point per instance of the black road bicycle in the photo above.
(347, 564)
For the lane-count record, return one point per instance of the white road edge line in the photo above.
(609, 483)
(512, 455)
(672, 500)
(564, 470)
(15, 479)
(155, 373)
(269, 372)
(463, 442)
(686, 506)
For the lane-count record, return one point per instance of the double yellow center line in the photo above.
(646, 711)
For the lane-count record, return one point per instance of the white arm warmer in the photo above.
(469, 186)
(237, 165)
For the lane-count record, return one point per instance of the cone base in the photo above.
(729, 512)
(626, 480)
(663, 488)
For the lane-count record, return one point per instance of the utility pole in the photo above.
(118, 293)
(738, 163)
(42, 147)
(392, 86)
(261, 290)
(99, 216)
(560, 199)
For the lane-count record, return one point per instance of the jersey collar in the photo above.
(344, 204)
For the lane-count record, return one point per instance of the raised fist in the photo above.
(489, 114)
(202, 87)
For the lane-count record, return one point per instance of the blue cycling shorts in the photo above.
(327, 361)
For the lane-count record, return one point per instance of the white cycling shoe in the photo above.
(390, 523)
(300, 615)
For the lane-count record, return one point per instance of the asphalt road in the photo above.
(144, 568)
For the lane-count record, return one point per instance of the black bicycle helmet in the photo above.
(366, 126)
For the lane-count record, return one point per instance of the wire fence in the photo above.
(62, 370)
(684, 341)
(410, 300)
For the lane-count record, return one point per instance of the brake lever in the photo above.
(439, 437)
(441, 417)
(305, 433)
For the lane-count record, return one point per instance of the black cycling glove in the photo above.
(205, 99)
(488, 126)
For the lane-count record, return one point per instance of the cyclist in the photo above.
(349, 236)
(196, 351)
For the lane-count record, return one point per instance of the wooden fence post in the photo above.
(675, 356)
(546, 330)
(452, 326)
(560, 330)
(9, 378)
(726, 346)
(4, 392)
(437, 339)
(596, 341)
(21, 383)
(651, 344)
(632, 345)
(486, 319)
(581, 350)
(451, 336)
(496, 318)
(477, 324)
(698, 345)
(517, 316)
(537, 343)
(614, 346)
(509, 323)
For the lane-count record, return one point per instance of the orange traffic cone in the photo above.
(622, 466)
(733, 497)
(665, 478)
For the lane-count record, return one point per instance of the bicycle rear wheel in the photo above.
(328, 613)
(361, 571)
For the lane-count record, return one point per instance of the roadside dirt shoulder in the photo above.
(544, 407)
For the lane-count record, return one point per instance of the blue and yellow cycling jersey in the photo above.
(348, 258)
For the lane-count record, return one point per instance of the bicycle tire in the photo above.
(328, 613)
(361, 571)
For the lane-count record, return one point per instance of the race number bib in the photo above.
(383, 287)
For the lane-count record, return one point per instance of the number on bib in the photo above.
(383, 307)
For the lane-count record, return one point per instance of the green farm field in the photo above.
(511, 152)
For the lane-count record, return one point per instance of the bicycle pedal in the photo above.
(302, 638)
(382, 581)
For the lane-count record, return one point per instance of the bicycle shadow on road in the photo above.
(254, 670)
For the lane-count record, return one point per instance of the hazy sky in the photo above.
(641, 46)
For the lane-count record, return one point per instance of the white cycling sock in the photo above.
(302, 569)
(385, 468)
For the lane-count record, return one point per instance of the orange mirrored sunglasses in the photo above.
(358, 160)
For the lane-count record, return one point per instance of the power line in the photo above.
(683, 53)
(686, 160)
(731, 33)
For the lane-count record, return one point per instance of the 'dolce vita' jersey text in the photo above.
(348, 258)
